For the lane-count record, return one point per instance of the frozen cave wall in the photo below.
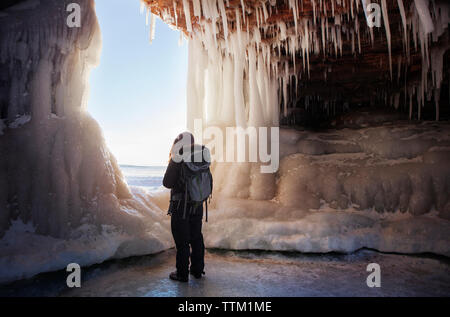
(374, 178)
(54, 162)
(382, 186)
(62, 195)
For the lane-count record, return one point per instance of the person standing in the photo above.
(187, 176)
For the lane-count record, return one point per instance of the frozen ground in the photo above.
(245, 273)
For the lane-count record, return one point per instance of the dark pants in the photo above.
(187, 234)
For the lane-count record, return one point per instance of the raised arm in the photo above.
(172, 174)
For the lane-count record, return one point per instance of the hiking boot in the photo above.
(174, 276)
(197, 275)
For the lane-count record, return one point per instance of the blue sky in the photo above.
(138, 92)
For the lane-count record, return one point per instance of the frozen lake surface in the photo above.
(242, 274)
(148, 177)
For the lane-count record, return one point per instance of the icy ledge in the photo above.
(244, 225)
(383, 186)
(25, 253)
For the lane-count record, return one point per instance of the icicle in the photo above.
(257, 38)
(243, 11)
(388, 32)
(197, 7)
(187, 14)
(180, 40)
(282, 27)
(307, 46)
(206, 9)
(214, 32)
(424, 15)
(351, 9)
(248, 32)
(337, 20)
(403, 15)
(223, 13)
(266, 15)
(239, 101)
(255, 112)
(175, 13)
(228, 111)
(238, 27)
(261, 15)
(364, 7)
(257, 18)
(293, 6)
(314, 9)
(323, 35)
(152, 27)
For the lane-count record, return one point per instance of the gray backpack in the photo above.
(197, 179)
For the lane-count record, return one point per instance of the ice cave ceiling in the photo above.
(324, 54)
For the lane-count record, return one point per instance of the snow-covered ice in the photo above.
(25, 253)
(382, 186)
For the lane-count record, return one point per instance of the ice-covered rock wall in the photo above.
(54, 160)
(62, 195)
(384, 186)
(252, 63)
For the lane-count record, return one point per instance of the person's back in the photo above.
(187, 212)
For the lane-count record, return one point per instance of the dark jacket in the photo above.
(172, 177)
(172, 180)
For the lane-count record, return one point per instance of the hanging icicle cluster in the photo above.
(244, 58)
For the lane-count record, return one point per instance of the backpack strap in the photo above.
(212, 183)
(210, 196)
